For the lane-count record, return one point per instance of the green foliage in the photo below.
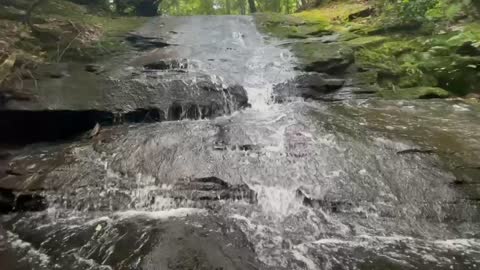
(414, 93)
(222, 7)
(415, 10)
(428, 10)
(446, 10)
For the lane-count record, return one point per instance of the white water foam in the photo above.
(277, 202)
(31, 253)
(161, 215)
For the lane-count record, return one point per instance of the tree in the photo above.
(228, 6)
(145, 8)
(253, 7)
(287, 6)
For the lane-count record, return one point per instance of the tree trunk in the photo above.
(243, 7)
(228, 6)
(147, 8)
(253, 7)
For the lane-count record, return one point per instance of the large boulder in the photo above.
(308, 86)
(330, 58)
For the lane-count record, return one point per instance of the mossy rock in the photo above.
(367, 41)
(397, 63)
(388, 53)
(332, 11)
(277, 18)
(331, 58)
(458, 74)
(365, 78)
(415, 93)
(286, 26)
(365, 29)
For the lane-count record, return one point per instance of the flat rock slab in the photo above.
(141, 240)
(74, 87)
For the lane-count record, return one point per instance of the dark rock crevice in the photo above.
(23, 127)
(23, 202)
(212, 189)
(144, 43)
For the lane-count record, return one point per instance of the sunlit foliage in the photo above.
(222, 7)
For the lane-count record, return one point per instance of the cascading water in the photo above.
(297, 185)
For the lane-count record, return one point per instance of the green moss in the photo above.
(273, 24)
(458, 74)
(398, 63)
(287, 26)
(331, 12)
(324, 58)
(388, 56)
(367, 41)
(414, 93)
(393, 54)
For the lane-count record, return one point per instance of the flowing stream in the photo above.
(357, 184)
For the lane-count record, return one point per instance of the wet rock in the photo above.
(331, 205)
(143, 241)
(312, 86)
(212, 189)
(145, 42)
(467, 179)
(94, 68)
(238, 95)
(224, 246)
(330, 58)
(89, 98)
(167, 64)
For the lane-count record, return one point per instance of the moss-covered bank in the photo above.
(438, 56)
